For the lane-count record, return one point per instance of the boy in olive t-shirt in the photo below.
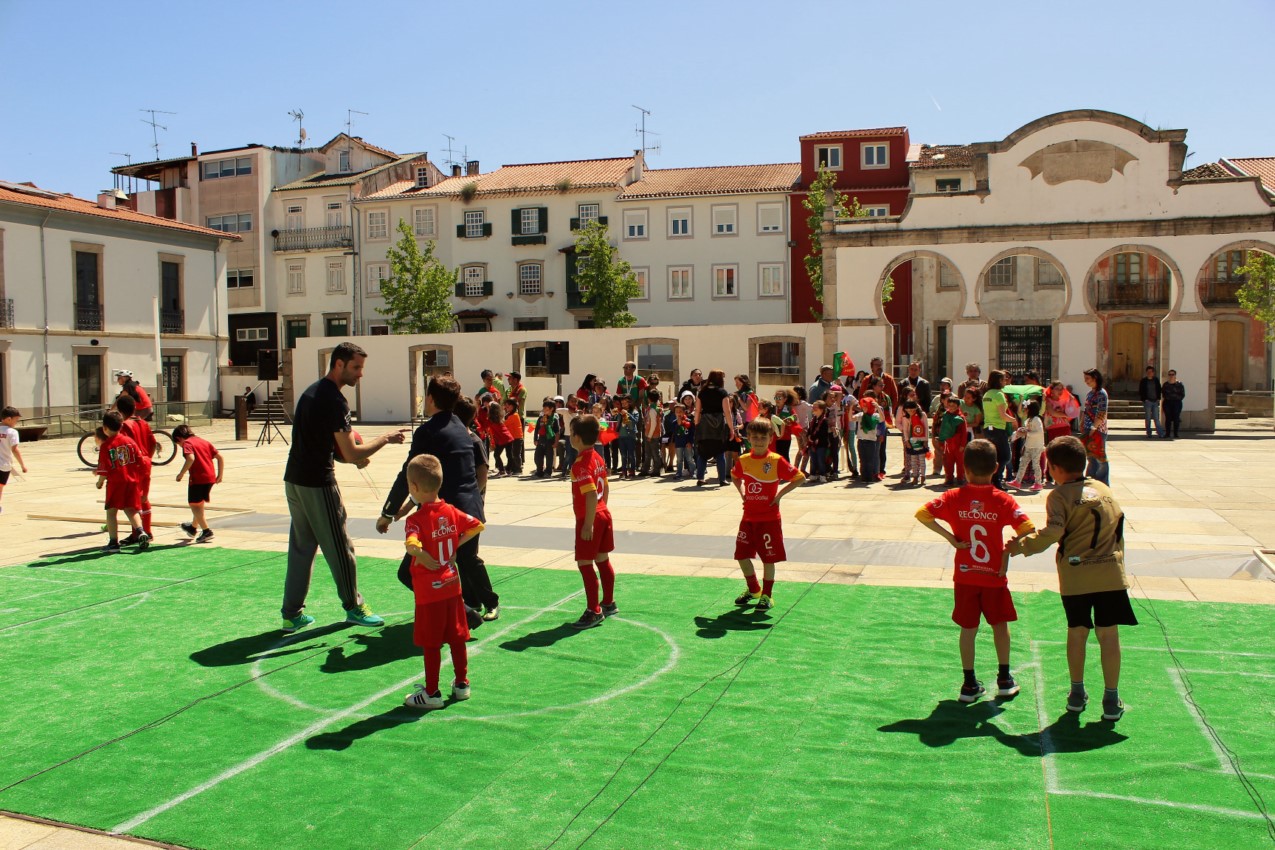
(1086, 522)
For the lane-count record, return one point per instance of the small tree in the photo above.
(605, 281)
(816, 203)
(1257, 294)
(419, 290)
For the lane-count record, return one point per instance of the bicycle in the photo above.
(166, 449)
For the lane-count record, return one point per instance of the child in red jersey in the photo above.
(952, 435)
(757, 476)
(199, 455)
(979, 513)
(139, 431)
(118, 470)
(595, 538)
(434, 533)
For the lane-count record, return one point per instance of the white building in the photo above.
(1076, 242)
(87, 288)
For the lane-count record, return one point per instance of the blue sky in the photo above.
(726, 82)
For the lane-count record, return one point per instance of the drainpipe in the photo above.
(44, 290)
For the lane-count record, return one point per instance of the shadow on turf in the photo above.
(95, 553)
(246, 650)
(734, 620)
(952, 720)
(541, 639)
(390, 644)
(342, 739)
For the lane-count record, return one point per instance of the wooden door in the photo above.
(1127, 356)
(1230, 356)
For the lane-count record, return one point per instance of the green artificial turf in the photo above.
(831, 721)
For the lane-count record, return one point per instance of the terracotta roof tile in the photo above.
(715, 180)
(32, 196)
(945, 156)
(526, 177)
(1207, 171)
(1257, 166)
(879, 131)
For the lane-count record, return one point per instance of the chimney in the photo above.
(471, 168)
(106, 199)
(637, 165)
(456, 169)
(194, 149)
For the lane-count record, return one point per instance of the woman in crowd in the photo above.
(1093, 428)
(714, 427)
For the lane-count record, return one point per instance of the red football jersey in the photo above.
(436, 527)
(589, 475)
(762, 477)
(118, 459)
(202, 470)
(979, 513)
(139, 431)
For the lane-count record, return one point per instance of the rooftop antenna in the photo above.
(451, 151)
(299, 116)
(155, 126)
(349, 121)
(120, 182)
(643, 132)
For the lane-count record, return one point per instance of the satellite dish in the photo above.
(304, 135)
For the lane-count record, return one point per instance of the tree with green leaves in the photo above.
(605, 281)
(1257, 294)
(816, 203)
(418, 292)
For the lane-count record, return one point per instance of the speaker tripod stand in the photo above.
(269, 425)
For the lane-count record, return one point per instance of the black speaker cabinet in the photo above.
(558, 355)
(267, 364)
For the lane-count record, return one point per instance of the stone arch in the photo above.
(1206, 273)
(980, 282)
(921, 318)
(754, 357)
(1115, 119)
(415, 378)
(672, 376)
(1175, 285)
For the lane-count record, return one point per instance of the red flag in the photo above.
(842, 364)
(750, 413)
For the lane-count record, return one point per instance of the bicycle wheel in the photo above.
(167, 448)
(87, 450)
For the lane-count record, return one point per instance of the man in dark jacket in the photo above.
(446, 438)
(1149, 392)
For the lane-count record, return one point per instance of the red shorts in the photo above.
(762, 539)
(993, 603)
(440, 623)
(122, 495)
(603, 541)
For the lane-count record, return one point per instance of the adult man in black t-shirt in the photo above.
(445, 437)
(321, 427)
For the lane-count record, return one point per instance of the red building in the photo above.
(871, 166)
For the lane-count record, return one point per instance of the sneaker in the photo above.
(130, 540)
(361, 615)
(1077, 701)
(189, 528)
(491, 614)
(292, 624)
(588, 620)
(204, 536)
(969, 693)
(423, 699)
(1112, 710)
(747, 598)
(112, 548)
(460, 691)
(1013, 482)
(143, 541)
(1007, 687)
(610, 610)
(765, 603)
(1037, 487)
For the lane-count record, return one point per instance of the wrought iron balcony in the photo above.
(1222, 291)
(88, 317)
(6, 313)
(575, 300)
(314, 238)
(172, 321)
(1139, 295)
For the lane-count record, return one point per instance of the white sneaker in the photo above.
(459, 691)
(420, 698)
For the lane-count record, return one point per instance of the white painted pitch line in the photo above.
(309, 731)
(1194, 807)
(33, 578)
(68, 586)
(1223, 764)
(1046, 741)
(1230, 673)
(112, 575)
(1222, 652)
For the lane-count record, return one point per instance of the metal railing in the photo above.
(172, 321)
(1121, 295)
(88, 317)
(6, 313)
(314, 238)
(83, 420)
(1222, 291)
